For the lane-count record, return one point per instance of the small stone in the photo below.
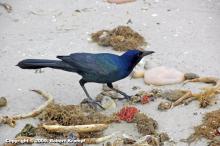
(3, 101)
(135, 88)
(190, 76)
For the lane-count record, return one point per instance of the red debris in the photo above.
(145, 99)
(127, 113)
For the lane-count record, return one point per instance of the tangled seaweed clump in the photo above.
(73, 115)
(67, 115)
(209, 129)
(121, 38)
(145, 124)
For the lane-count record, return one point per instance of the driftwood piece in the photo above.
(207, 92)
(76, 128)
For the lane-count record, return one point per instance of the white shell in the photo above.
(108, 103)
(163, 76)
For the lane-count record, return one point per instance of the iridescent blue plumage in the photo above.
(98, 68)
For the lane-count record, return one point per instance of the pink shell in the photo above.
(163, 76)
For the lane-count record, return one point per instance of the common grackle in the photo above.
(99, 68)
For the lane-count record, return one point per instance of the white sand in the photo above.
(187, 38)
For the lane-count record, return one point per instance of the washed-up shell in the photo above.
(108, 102)
(164, 106)
(163, 76)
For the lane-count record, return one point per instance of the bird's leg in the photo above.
(120, 92)
(89, 100)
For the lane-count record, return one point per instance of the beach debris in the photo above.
(127, 113)
(7, 7)
(106, 91)
(108, 103)
(76, 128)
(163, 76)
(148, 140)
(67, 115)
(121, 38)
(127, 140)
(57, 120)
(120, 1)
(3, 101)
(28, 130)
(136, 88)
(11, 120)
(190, 76)
(138, 74)
(214, 143)
(142, 97)
(145, 99)
(163, 137)
(97, 140)
(208, 129)
(118, 142)
(177, 97)
(145, 124)
(173, 95)
(7, 120)
(164, 106)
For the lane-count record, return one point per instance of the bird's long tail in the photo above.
(42, 63)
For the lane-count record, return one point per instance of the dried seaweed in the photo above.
(208, 128)
(121, 38)
(28, 130)
(67, 115)
(73, 115)
(145, 124)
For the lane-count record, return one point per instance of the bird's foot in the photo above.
(128, 97)
(92, 103)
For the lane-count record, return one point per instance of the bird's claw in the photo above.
(92, 103)
(128, 97)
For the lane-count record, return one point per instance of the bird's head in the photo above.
(133, 57)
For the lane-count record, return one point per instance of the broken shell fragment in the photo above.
(138, 74)
(164, 105)
(108, 103)
(163, 76)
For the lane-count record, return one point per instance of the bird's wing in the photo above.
(100, 64)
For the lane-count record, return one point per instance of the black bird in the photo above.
(99, 68)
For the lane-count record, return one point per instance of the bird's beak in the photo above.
(145, 53)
